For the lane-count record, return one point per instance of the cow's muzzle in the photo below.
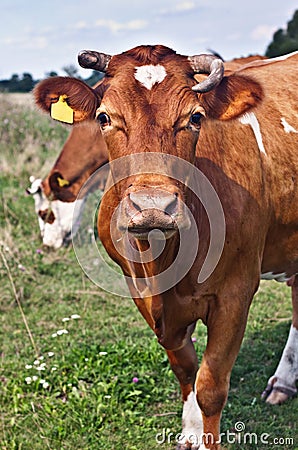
(152, 209)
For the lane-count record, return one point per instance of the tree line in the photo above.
(284, 41)
(25, 82)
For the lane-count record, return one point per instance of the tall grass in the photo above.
(29, 141)
(99, 379)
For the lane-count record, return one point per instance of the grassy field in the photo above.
(80, 369)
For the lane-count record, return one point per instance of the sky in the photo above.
(40, 36)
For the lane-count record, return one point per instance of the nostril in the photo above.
(155, 200)
(134, 201)
(171, 208)
(135, 205)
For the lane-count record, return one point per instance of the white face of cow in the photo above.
(56, 219)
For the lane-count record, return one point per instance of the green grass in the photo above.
(91, 401)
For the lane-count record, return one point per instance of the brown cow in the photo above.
(152, 112)
(83, 152)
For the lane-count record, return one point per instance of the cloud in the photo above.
(81, 25)
(26, 42)
(115, 27)
(34, 39)
(184, 6)
(262, 32)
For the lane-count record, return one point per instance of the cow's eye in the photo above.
(104, 120)
(195, 119)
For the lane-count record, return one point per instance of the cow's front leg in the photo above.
(282, 384)
(226, 324)
(184, 364)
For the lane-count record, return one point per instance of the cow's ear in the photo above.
(234, 96)
(66, 99)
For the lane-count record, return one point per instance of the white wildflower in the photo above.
(50, 354)
(60, 332)
(65, 319)
(75, 316)
(28, 380)
(103, 353)
(34, 378)
(28, 366)
(44, 383)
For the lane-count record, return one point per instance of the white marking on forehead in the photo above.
(150, 75)
(251, 119)
(287, 127)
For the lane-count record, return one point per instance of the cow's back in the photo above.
(252, 162)
(278, 120)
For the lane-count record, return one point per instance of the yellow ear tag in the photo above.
(62, 111)
(62, 182)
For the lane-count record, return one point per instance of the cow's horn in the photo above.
(90, 59)
(211, 65)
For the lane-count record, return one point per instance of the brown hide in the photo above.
(246, 146)
(258, 192)
(83, 153)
